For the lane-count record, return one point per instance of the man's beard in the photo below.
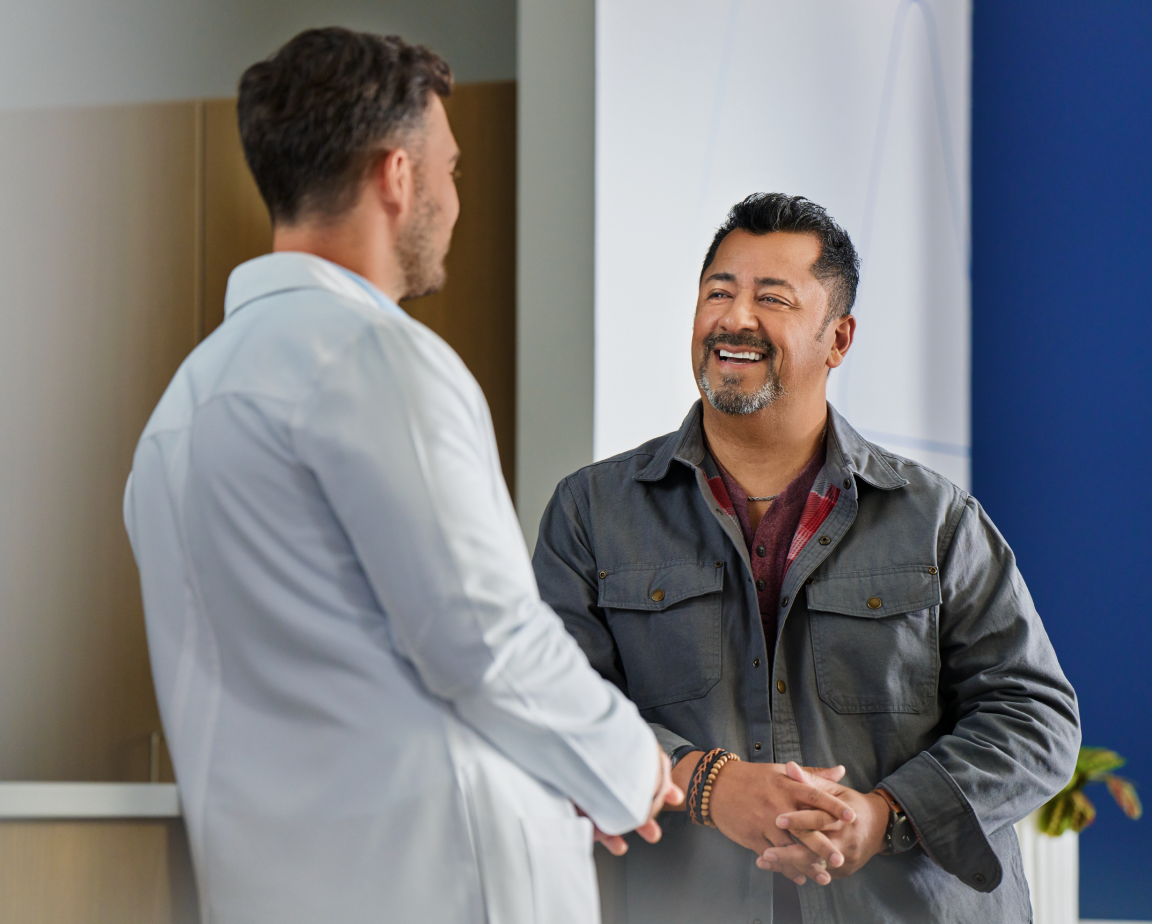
(422, 266)
(729, 398)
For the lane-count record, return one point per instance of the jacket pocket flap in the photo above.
(657, 587)
(872, 594)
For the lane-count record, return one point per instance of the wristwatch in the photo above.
(900, 836)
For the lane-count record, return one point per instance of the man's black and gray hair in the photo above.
(316, 115)
(838, 267)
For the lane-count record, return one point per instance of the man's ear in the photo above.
(842, 331)
(393, 181)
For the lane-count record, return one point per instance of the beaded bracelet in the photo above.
(700, 788)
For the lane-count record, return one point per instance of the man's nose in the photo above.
(740, 315)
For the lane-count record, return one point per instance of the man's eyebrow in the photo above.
(771, 281)
(721, 277)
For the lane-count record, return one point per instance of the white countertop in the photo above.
(30, 801)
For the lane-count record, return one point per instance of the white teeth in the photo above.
(725, 354)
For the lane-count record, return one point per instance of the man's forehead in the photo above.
(780, 258)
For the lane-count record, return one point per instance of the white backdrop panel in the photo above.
(860, 105)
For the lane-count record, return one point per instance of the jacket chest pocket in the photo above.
(665, 619)
(875, 639)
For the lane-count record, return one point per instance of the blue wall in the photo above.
(1062, 368)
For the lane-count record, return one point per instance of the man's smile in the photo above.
(742, 358)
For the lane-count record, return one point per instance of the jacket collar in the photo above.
(849, 454)
(277, 273)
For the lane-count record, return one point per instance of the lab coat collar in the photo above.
(288, 271)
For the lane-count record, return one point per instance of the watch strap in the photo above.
(899, 836)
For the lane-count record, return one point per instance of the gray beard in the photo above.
(729, 398)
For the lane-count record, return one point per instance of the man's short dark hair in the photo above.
(315, 115)
(838, 268)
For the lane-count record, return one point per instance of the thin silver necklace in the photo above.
(823, 433)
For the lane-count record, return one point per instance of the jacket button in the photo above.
(784, 602)
(657, 595)
(810, 581)
(824, 540)
(756, 662)
(760, 585)
(931, 570)
(603, 574)
(979, 877)
(847, 482)
(757, 745)
(781, 686)
(719, 564)
(874, 603)
(761, 551)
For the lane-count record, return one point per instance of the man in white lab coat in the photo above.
(372, 715)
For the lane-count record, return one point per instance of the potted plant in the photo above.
(1071, 810)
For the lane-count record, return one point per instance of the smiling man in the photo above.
(771, 589)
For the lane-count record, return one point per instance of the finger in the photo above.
(795, 861)
(791, 862)
(673, 794)
(775, 866)
(613, 843)
(819, 873)
(809, 820)
(832, 774)
(822, 847)
(650, 831)
(814, 796)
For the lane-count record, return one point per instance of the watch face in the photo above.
(903, 835)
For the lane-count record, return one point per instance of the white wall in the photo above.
(88, 52)
(860, 105)
(555, 268)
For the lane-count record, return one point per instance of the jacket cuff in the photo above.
(948, 827)
(670, 741)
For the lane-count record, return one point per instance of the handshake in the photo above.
(799, 821)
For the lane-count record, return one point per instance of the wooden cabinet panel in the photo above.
(97, 257)
(96, 872)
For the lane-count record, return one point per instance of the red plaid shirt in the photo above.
(782, 532)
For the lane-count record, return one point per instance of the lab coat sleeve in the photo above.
(398, 436)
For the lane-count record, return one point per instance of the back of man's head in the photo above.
(838, 267)
(316, 115)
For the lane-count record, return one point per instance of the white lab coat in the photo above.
(372, 715)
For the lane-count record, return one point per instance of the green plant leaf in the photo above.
(1055, 815)
(1125, 795)
(1070, 809)
(1083, 812)
(1094, 762)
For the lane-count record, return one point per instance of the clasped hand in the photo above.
(810, 841)
(799, 821)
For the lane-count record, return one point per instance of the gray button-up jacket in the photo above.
(908, 649)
